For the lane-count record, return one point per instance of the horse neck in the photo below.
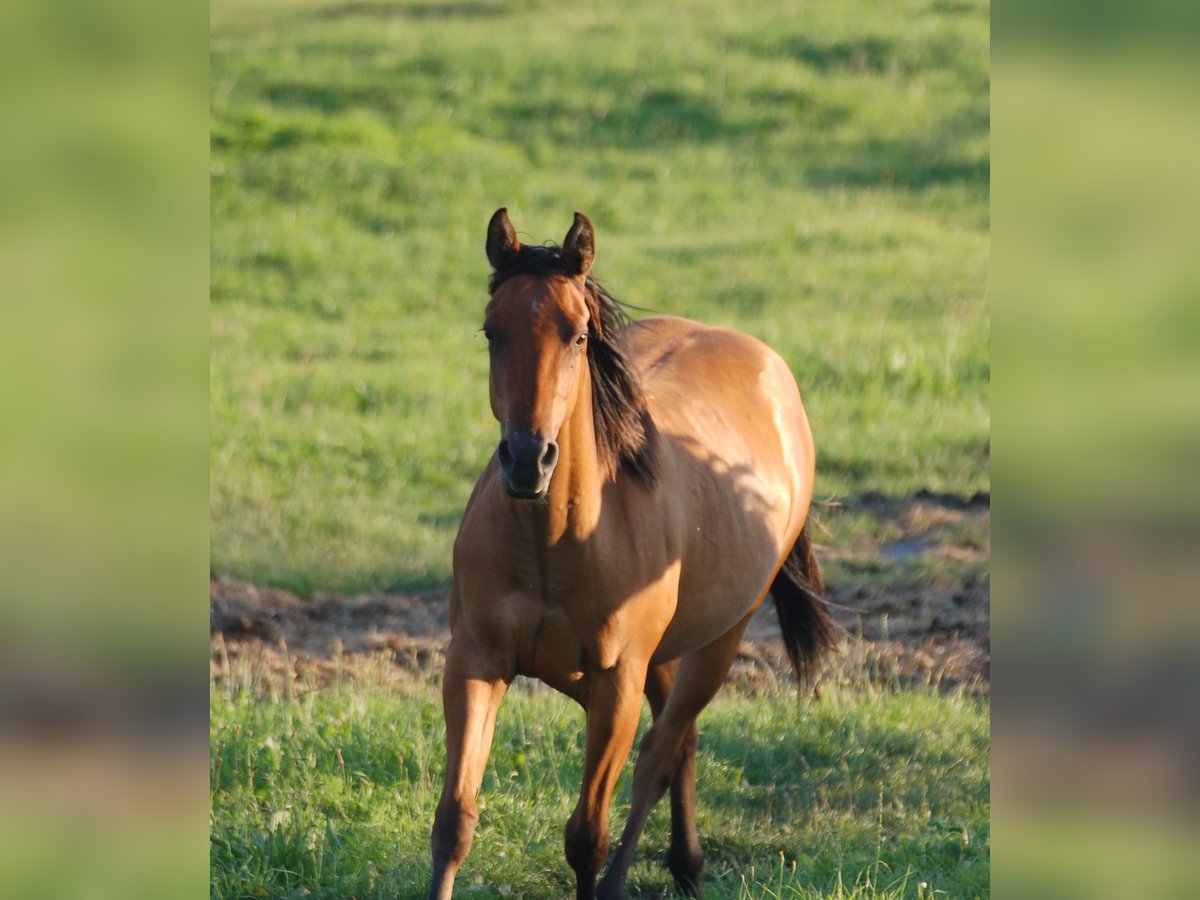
(573, 499)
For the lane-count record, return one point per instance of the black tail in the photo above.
(808, 630)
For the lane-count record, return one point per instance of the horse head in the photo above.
(538, 324)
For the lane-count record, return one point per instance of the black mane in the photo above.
(624, 430)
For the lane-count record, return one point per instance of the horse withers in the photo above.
(651, 486)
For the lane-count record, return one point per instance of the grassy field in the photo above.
(862, 794)
(815, 174)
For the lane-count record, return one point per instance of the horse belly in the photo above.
(706, 612)
(728, 560)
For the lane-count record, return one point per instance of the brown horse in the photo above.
(650, 487)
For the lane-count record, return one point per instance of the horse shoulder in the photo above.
(486, 605)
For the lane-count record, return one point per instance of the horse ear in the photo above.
(502, 243)
(579, 247)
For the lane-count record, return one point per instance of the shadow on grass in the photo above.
(904, 164)
(649, 119)
(331, 99)
(417, 12)
(868, 54)
(947, 154)
(665, 118)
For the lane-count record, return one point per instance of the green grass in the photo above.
(861, 794)
(816, 176)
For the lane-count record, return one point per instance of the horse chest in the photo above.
(578, 621)
(579, 611)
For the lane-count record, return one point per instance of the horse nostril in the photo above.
(550, 456)
(505, 455)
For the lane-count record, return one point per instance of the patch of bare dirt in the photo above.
(931, 628)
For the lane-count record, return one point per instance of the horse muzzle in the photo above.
(526, 461)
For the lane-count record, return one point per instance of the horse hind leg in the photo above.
(699, 677)
(685, 857)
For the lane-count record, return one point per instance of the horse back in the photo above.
(722, 399)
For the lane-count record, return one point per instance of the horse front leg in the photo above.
(613, 704)
(666, 747)
(472, 689)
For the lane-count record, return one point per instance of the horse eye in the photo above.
(488, 334)
(579, 341)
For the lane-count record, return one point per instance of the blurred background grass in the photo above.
(103, 449)
(1097, 284)
(814, 174)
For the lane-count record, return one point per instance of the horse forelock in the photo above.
(624, 430)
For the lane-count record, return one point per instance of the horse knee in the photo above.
(652, 774)
(586, 845)
(691, 740)
(453, 830)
